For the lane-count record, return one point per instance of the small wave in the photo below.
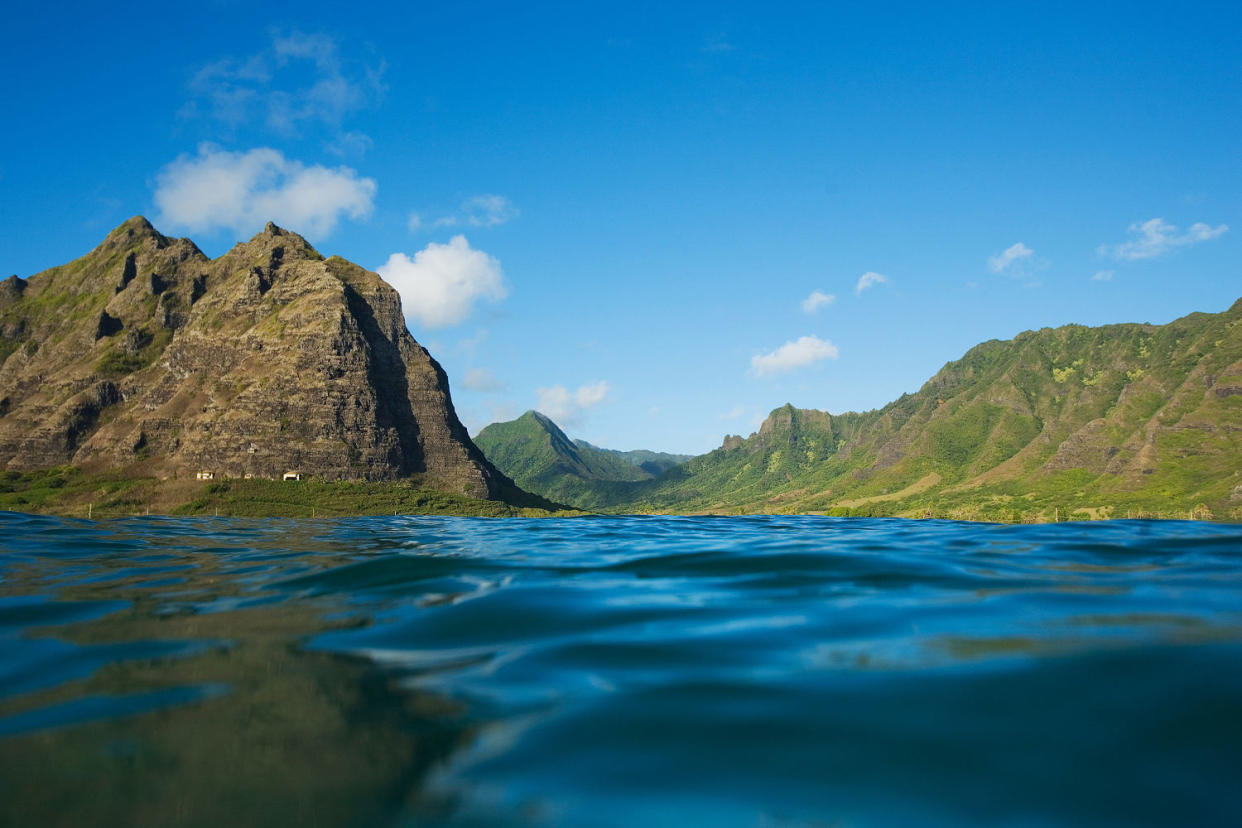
(625, 670)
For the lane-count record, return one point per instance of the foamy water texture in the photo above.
(619, 671)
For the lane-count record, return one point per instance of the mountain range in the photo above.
(145, 359)
(1127, 419)
(148, 359)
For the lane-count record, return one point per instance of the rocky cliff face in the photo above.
(145, 354)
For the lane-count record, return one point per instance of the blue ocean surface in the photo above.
(619, 671)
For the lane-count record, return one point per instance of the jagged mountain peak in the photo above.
(272, 247)
(147, 356)
(134, 226)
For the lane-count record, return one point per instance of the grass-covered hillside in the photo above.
(1062, 422)
(72, 492)
(539, 457)
(1070, 421)
(655, 463)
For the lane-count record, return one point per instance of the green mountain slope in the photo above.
(1107, 421)
(537, 455)
(655, 463)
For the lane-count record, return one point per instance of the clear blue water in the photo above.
(771, 671)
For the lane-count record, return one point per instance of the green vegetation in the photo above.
(129, 357)
(654, 463)
(72, 492)
(276, 498)
(1060, 423)
(540, 458)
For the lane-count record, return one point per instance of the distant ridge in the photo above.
(541, 458)
(1074, 421)
(655, 463)
(146, 356)
(1109, 421)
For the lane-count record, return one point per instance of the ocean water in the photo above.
(619, 671)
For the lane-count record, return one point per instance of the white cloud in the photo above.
(481, 379)
(440, 285)
(733, 413)
(802, 351)
(869, 279)
(1102, 276)
(566, 407)
(300, 78)
(1009, 260)
(244, 190)
(817, 300)
(1157, 237)
(414, 222)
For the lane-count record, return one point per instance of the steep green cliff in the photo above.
(1077, 421)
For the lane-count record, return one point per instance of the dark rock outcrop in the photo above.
(145, 353)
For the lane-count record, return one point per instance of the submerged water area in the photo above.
(772, 671)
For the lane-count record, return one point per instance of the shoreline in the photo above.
(74, 493)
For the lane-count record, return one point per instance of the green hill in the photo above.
(1074, 421)
(655, 463)
(1070, 421)
(535, 453)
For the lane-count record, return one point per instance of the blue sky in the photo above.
(616, 212)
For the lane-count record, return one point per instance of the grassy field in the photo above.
(70, 492)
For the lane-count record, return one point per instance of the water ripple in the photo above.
(614, 671)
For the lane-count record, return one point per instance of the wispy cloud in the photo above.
(242, 191)
(469, 347)
(1102, 276)
(794, 354)
(868, 280)
(818, 299)
(1156, 237)
(351, 144)
(441, 284)
(716, 44)
(733, 413)
(487, 210)
(299, 79)
(481, 379)
(566, 407)
(1009, 260)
